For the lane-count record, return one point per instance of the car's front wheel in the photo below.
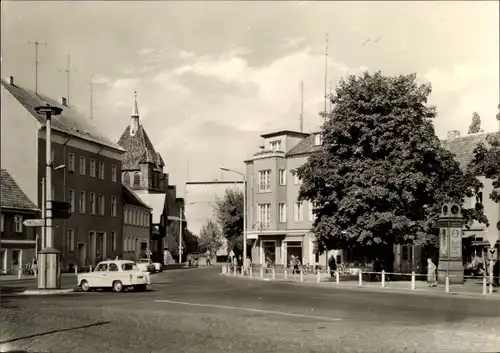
(117, 286)
(85, 286)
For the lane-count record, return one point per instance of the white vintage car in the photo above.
(115, 274)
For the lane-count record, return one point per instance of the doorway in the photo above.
(16, 260)
(268, 251)
(82, 254)
(294, 248)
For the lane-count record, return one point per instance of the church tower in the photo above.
(134, 119)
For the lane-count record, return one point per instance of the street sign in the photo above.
(34, 222)
(61, 210)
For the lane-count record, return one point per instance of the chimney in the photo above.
(453, 134)
(11, 80)
(63, 101)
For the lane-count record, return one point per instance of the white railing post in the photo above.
(360, 276)
(485, 285)
(285, 273)
(318, 276)
(274, 273)
(19, 272)
(251, 271)
(90, 268)
(491, 284)
(337, 277)
(447, 283)
(383, 278)
(413, 280)
(261, 272)
(301, 275)
(76, 270)
(234, 270)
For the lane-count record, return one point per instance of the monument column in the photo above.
(450, 244)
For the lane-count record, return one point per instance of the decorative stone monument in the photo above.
(450, 244)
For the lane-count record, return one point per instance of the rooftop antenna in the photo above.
(37, 43)
(326, 70)
(68, 77)
(301, 106)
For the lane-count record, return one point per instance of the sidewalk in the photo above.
(25, 278)
(471, 288)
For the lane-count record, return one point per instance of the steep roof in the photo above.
(12, 196)
(306, 145)
(71, 121)
(130, 197)
(284, 132)
(463, 147)
(139, 149)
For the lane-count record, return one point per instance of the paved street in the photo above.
(198, 310)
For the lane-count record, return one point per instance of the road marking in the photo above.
(250, 310)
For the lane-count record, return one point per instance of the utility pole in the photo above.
(37, 43)
(68, 78)
(326, 70)
(301, 118)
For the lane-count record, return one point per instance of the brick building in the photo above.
(17, 242)
(90, 181)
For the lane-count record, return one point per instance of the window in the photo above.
(113, 241)
(137, 178)
(1, 222)
(281, 212)
(113, 206)
(264, 215)
(92, 203)
(83, 168)
(298, 211)
(275, 146)
(125, 248)
(311, 213)
(113, 267)
(318, 140)
(71, 162)
(82, 201)
(296, 179)
(134, 243)
(264, 180)
(71, 240)
(101, 268)
(126, 178)
(282, 177)
(101, 170)
(101, 205)
(113, 173)
(92, 168)
(125, 216)
(130, 220)
(18, 222)
(71, 200)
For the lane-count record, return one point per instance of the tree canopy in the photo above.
(382, 175)
(486, 162)
(475, 125)
(190, 242)
(210, 240)
(229, 210)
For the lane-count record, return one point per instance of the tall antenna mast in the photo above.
(68, 78)
(330, 95)
(36, 43)
(326, 70)
(301, 106)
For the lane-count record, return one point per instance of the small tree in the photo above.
(210, 238)
(475, 125)
(229, 211)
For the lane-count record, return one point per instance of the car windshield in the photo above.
(129, 267)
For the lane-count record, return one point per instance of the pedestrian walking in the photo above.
(431, 273)
(377, 268)
(332, 264)
(34, 266)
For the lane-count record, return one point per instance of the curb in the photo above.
(371, 289)
(47, 291)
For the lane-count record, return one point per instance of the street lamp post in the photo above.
(180, 229)
(244, 214)
(49, 260)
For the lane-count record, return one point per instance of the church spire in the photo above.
(134, 119)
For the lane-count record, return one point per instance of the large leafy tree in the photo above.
(210, 238)
(486, 162)
(229, 210)
(190, 242)
(382, 175)
(475, 125)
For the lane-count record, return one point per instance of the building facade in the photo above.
(142, 172)
(87, 170)
(279, 225)
(18, 242)
(136, 226)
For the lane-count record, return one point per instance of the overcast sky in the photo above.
(212, 76)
